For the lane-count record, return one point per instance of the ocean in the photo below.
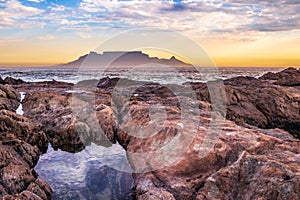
(164, 76)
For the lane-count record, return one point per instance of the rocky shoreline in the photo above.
(256, 154)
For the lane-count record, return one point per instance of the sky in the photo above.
(232, 32)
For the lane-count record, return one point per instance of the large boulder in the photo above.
(192, 155)
(259, 103)
(71, 123)
(250, 162)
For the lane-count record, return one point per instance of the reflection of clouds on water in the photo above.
(86, 174)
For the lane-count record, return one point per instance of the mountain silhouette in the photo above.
(121, 59)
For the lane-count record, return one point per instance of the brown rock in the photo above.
(21, 144)
(1, 80)
(259, 178)
(270, 163)
(259, 103)
(21, 128)
(12, 81)
(287, 77)
(72, 122)
(174, 158)
(41, 189)
(9, 98)
(16, 175)
(22, 196)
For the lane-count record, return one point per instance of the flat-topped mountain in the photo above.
(121, 59)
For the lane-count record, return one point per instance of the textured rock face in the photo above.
(259, 103)
(287, 77)
(21, 144)
(175, 155)
(12, 81)
(70, 122)
(243, 164)
(264, 105)
(9, 98)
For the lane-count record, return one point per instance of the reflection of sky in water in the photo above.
(92, 173)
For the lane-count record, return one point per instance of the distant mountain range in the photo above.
(121, 59)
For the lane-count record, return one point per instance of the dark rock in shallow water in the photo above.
(12, 81)
(287, 77)
(1, 80)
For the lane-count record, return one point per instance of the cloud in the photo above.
(15, 14)
(36, 1)
(46, 37)
(84, 35)
(58, 8)
(206, 17)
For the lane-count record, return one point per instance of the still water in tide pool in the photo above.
(93, 173)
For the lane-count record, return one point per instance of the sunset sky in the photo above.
(233, 32)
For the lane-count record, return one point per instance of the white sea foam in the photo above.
(20, 108)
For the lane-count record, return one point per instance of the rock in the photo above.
(1, 80)
(177, 158)
(53, 112)
(72, 122)
(16, 174)
(22, 196)
(106, 83)
(175, 154)
(16, 126)
(21, 144)
(269, 162)
(259, 103)
(263, 105)
(287, 77)
(12, 81)
(40, 188)
(9, 98)
(44, 86)
(260, 178)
